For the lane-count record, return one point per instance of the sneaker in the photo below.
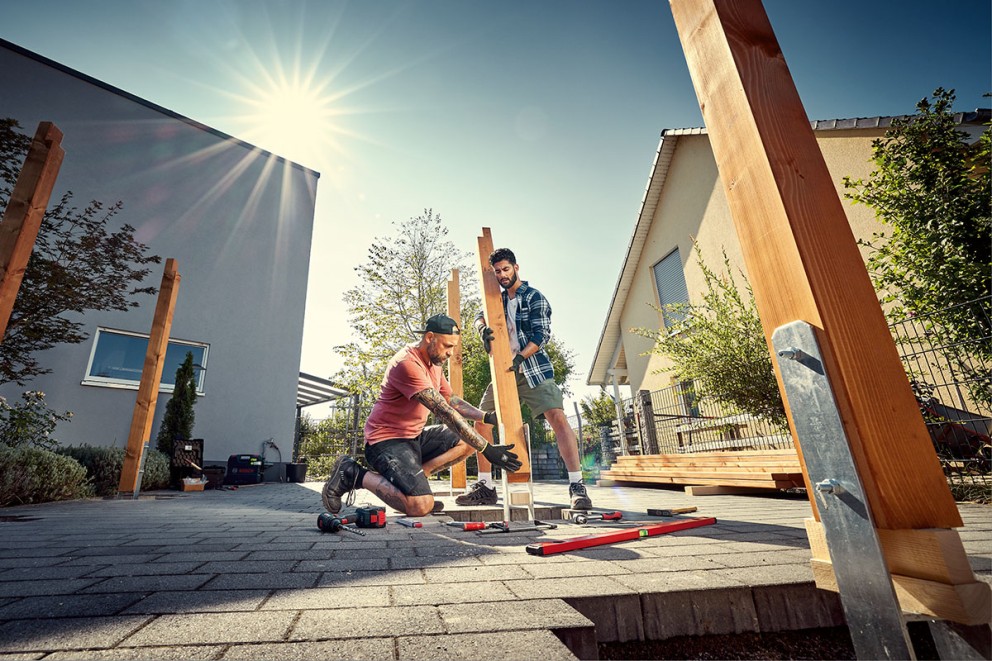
(479, 495)
(580, 499)
(344, 475)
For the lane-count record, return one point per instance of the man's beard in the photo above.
(513, 281)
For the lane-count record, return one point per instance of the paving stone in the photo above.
(309, 554)
(342, 564)
(147, 583)
(44, 573)
(67, 606)
(184, 653)
(325, 598)
(769, 575)
(617, 618)
(576, 586)
(39, 552)
(559, 570)
(363, 578)
(43, 587)
(796, 606)
(193, 547)
(764, 558)
(24, 656)
(114, 551)
(367, 622)
(472, 574)
(49, 561)
(45, 635)
(661, 582)
(511, 645)
(202, 557)
(512, 615)
(145, 569)
(199, 601)
(413, 595)
(374, 649)
(261, 581)
(417, 562)
(90, 560)
(247, 567)
(214, 628)
(698, 613)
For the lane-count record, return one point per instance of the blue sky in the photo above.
(539, 119)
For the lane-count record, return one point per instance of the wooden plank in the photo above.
(709, 474)
(500, 362)
(967, 603)
(801, 256)
(151, 376)
(788, 484)
(714, 490)
(459, 478)
(24, 213)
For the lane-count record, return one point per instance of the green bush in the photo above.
(33, 475)
(104, 465)
(29, 422)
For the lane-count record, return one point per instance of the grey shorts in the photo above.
(401, 460)
(546, 396)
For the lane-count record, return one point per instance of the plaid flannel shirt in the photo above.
(533, 322)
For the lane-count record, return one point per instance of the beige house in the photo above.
(685, 198)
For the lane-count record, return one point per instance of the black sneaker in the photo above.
(344, 475)
(580, 499)
(479, 495)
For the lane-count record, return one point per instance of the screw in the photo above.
(791, 353)
(830, 486)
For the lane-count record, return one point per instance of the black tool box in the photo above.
(244, 469)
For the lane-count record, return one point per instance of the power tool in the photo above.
(327, 522)
(363, 517)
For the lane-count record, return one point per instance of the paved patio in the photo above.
(246, 575)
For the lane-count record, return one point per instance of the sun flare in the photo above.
(293, 120)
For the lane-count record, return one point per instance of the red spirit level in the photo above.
(612, 536)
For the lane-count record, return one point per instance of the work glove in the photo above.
(500, 455)
(518, 360)
(486, 333)
(490, 418)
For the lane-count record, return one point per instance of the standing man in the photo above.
(401, 450)
(528, 321)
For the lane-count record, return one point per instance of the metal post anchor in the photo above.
(873, 615)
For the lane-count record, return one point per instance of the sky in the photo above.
(538, 119)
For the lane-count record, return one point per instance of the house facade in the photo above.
(685, 200)
(237, 219)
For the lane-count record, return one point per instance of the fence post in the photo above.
(648, 431)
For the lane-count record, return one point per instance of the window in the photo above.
(670, 279)
(118, 357)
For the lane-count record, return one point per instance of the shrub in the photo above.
(104, 465)
(34, 475)
(29, 422)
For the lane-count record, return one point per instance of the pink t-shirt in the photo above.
(395, 414)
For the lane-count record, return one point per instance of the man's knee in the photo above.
(419, 505)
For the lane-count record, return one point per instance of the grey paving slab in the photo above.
(67, 606)
(45, 635)
(327, 598)
(261, 581)
(343, 564)
(214, 628)
(662, 582)
(148, 583)
(510, 616)
(207, 556)
(769, 575)
(184, 653)
(247, 567)
(563, 569)
(460, 593)
(45, 586)
(419, 562)
(198, 601)
(508, 646)
(363, 578)
(367, 622)
(44, 573)
(147, 569)
(137, 559)
(48, 561)
(374, 650)
(480, 573)
(573, 586)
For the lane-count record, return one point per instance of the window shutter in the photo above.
(670, 280)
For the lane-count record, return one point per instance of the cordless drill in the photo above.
(363, 517)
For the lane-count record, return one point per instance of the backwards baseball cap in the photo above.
(441, 324)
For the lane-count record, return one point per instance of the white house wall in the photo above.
(237, 220)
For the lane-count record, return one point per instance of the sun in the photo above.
(293, 119)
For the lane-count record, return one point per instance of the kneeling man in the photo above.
(402, 452)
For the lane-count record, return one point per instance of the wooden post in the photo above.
(500, 361)
(25, 211)
(151, 376)
(804, 263)
(649, 433)
(459, 478)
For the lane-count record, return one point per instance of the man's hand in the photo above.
(500, 455)
(518, 360)
(490, 418)
(486, 333)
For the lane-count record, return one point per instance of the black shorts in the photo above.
(401, 460)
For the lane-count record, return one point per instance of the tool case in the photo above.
(244, 469)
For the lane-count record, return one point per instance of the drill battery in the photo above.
(368, 517)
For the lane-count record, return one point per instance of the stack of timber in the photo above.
(761, 469)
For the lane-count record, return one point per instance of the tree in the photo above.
(719, 346)
(77, 265)
(177, 423)
(601, 410)
(933, 193)
(402, 284)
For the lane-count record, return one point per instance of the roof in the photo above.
(312, 390)
(609, 348)
(148, 104)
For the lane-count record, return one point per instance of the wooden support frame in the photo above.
(459, 477)
(804, 264)
(151, 376)
(25, 211)
(500, 361)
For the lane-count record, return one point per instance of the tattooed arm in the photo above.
(468, 411)
(452, 416)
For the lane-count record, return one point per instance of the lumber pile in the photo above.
(761, 469)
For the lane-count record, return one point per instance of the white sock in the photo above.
(574, 476)
(487, 478)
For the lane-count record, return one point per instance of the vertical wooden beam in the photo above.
(500, 362)
(151, 376)
(801, 256)
(25, 211)
(459, 478)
